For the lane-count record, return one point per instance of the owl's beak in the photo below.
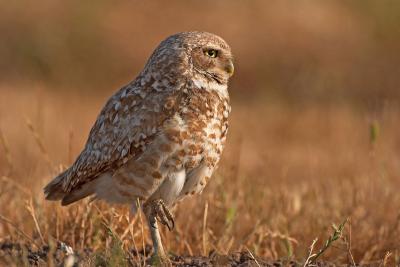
(230, 69)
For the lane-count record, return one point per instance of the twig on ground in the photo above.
(252, 257)
(310, 253)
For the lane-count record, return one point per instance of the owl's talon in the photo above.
(162, 213)
(167, 218)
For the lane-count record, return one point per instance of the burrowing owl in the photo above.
(159, 138)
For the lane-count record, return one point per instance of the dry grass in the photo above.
(287, 174)
(314, 136)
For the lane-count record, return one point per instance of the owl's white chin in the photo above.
(211, 85)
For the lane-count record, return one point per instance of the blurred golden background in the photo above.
(303, 50)
(314, 135)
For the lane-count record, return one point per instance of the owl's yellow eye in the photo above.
(211, 53)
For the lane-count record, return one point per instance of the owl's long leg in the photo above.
(154, 210)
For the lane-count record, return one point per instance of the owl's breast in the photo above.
(205, 117)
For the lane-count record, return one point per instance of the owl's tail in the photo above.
(54, 190)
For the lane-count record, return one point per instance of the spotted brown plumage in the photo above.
(161, 136)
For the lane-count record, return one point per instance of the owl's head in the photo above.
(197, 54)
(211, 56)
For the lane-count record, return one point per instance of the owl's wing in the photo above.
(127, 123)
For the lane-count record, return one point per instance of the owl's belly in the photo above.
(195, 161)
(178, 162)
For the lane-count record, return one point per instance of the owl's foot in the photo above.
(162, 213)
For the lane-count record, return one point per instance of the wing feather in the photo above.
(128, 122)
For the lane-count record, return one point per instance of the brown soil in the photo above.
(22, 254)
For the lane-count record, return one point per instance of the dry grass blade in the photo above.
(205, 229)
(8, 221)
(32, 212)
(116, 255)
(128, 228)
(310, 253)
(39, 142)
(386, 258)
(142, 230)
(253, 258)
(7, 153)
(337, 233)
(70, 142)
(279, 235)
(189, 249)
(17, 185)
(348, 243)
